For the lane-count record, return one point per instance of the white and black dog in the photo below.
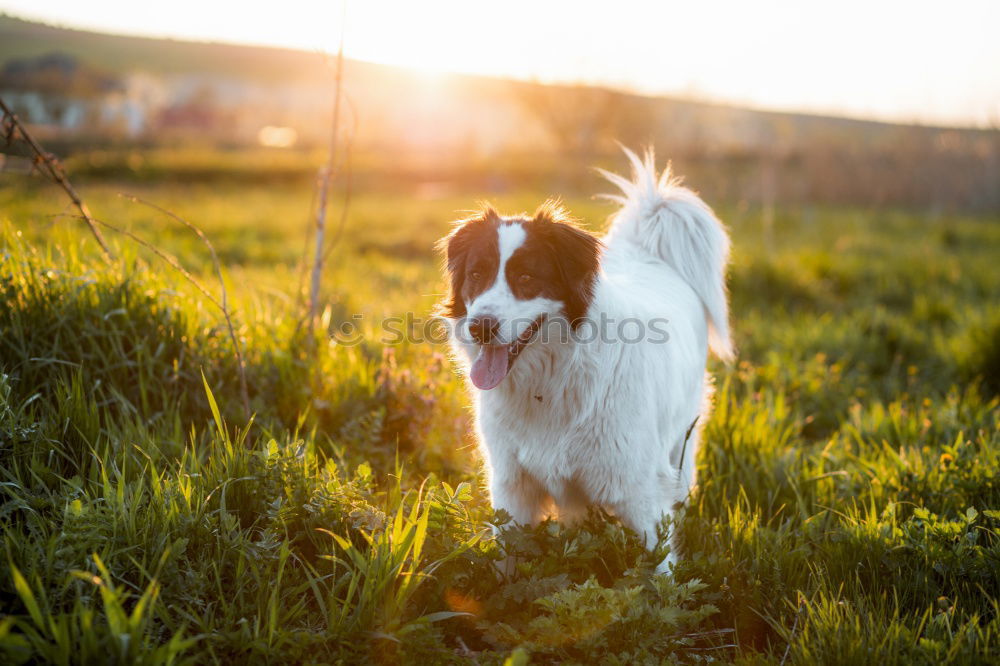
(587, 355)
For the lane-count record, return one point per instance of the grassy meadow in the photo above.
(849, 501)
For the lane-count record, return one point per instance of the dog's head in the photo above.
(509, 275)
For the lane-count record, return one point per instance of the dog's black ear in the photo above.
(577, 254)
(456, 247)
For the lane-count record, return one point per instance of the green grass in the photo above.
(848, 508)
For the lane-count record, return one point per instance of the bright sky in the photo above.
(909, 60)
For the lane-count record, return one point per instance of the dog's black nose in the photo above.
(484, 329)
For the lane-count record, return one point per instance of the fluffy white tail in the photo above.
(673, 224)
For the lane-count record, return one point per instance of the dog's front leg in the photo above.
(643, 516)
(518, 493)
(646, 506)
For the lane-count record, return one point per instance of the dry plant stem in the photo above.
(317, 268)
(224, 306)
(172, 261)
(349, 185)
(326, 175)
(56, 173)
(344, 167)
(303, 265)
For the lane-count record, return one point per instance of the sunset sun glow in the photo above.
(892, 60)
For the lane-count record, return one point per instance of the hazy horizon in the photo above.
(892, 62)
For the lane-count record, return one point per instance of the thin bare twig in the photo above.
(176, 265)
(224, 306)
(348, 185)
(170, 259)
(51, 167)
(303, 267)
(343, 167)
(326, 176)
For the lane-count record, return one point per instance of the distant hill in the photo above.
(168, 90)
(122, 54)
(261, 64)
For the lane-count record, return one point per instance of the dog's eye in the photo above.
(525, 277)
(476, 275)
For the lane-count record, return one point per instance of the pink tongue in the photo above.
(490, 367)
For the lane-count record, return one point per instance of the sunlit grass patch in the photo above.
(847, 500)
